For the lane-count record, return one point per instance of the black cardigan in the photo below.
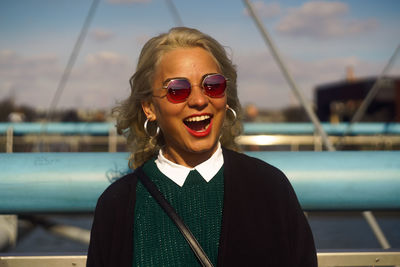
(262, 221)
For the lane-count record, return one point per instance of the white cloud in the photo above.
(264, 10)
(104, 58)
(323, 19)
(10, 59)
(261, 82)
(101, 35)
(98, 82)
(6, 55)
(103, 78)
(30, 79)
(14, 66)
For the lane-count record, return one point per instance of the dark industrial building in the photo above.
(337, 102)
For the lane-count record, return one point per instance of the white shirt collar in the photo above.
(178, 173)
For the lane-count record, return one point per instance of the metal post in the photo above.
(8, 223)
(10, 139)
(112, 140)
(317, 142)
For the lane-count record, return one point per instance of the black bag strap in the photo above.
(193, 243)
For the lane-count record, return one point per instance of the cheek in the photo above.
(220, 104)
(220, 108)
(167, 113)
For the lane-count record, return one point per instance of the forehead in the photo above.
(184, 62)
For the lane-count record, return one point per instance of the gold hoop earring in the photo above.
(147, 132)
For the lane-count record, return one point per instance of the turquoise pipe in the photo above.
(331, 129)
(67, 128)
(56, 182)
(72, 182)
(249, 128)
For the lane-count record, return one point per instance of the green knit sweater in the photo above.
(157, 241)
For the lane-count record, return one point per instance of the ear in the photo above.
(149, 110)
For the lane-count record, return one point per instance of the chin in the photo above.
(203, 146)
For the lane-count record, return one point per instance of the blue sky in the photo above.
(317, 39)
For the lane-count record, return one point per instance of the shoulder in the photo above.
(112, 217)
(244, 163)
(119, 191)
(255, 174)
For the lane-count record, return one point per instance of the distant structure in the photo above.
(251, 113)
(338, 101)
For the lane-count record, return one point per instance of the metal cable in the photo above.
(289, 79)
(72, 59)
(175, 13)
(66, 74)
(367, 214)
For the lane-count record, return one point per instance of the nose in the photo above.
(197, 98)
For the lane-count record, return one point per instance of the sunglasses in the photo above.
(178, 89)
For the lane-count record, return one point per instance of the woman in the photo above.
(181, 120)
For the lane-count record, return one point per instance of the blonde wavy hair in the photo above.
(129, 114)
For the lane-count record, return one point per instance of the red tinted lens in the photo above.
(178, 90)
(214, 85)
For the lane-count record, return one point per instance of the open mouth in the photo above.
(198, 123)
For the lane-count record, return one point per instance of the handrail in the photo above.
(331, 129)
(325, 259)
(103, 128)
(72, 182)
(67, 128)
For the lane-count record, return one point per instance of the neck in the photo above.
(187, 158)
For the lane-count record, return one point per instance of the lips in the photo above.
(198, 125)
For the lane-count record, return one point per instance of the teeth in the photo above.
(198, 118)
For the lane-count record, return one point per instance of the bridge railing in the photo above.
(32, 183)
(325, 259)
(293, 135)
